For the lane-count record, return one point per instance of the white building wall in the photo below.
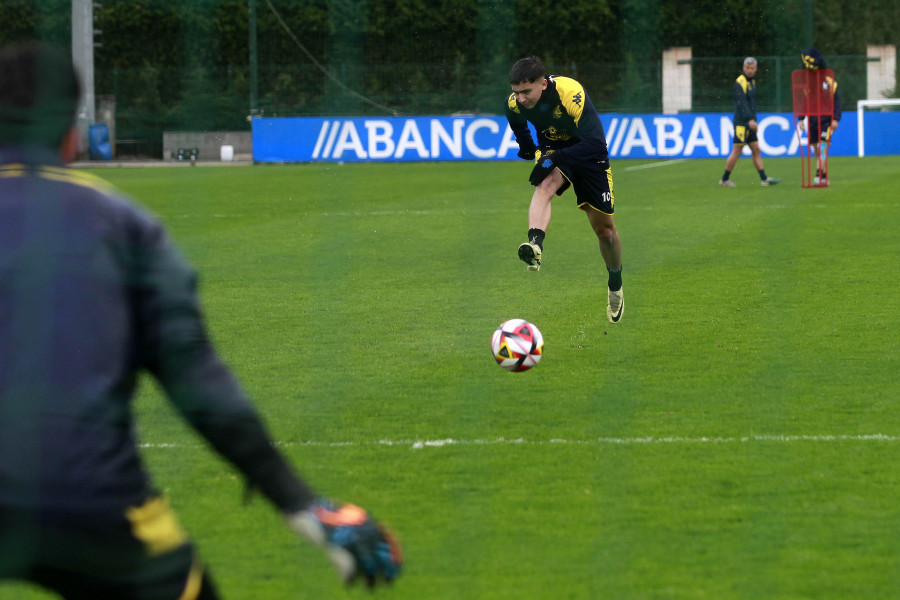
(881, 75)
(676, 80)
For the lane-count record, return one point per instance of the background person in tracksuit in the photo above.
(745, 125)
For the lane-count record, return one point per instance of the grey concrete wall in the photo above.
(208, 143)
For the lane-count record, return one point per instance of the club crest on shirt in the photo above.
(557, 112)
(552, 133)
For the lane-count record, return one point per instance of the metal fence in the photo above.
(150, 100)
(713, 78)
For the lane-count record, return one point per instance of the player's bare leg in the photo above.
(610, 244)
(541, 200)
(758, 163)
(604, 227)
(539, 220)
(757, 156)
(821, 177)
(732, 159)
(730, 163)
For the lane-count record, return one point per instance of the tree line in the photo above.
(185, 64)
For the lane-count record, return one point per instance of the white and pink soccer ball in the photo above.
(517, 345)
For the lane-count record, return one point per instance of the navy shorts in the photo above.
(592, 181)
(744, 135)
(819, 132)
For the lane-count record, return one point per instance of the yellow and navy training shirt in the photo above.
(831, 85)
(744, 100)
(92, 292)
(565, 120)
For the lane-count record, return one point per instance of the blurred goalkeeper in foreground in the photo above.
(92, 291)
(570, 151)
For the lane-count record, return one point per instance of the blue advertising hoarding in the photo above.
(488, 137)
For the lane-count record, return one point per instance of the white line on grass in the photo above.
(656, 164)
(624, 441)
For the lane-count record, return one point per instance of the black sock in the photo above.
(726, 175)
(536, 236)
(762, 174)
(615, 279)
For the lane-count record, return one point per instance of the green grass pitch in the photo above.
(737, 435)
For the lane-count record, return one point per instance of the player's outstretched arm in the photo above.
(358, 546)
(176, 349)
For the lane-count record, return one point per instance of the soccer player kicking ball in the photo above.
(570, 151)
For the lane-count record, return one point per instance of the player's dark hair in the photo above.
(39, 94)
(528, 70)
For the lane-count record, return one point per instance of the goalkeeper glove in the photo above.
(355, 543)
(543, 167)
(526, 154)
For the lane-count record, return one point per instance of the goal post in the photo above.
(860, 109)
